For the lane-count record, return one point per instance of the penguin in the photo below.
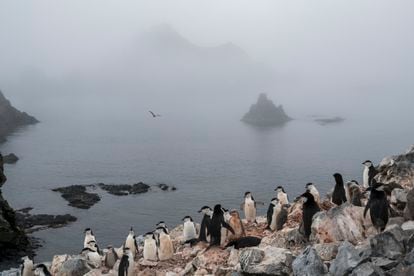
(150, 247)
(237, 226)
(126, 265)
(27, 267)
(282, 195)
(338, 195)
(131, 242)
(165, 246)
(355, 194)
(189, 229)
(205, 223)
(89, 236)
(276, 215)
(369, 173)
(244, 242)
(217, 222)
(41, 270)
(378, 206)
(92, 256)
(312, 189)
(249, 207)
(309, 209)
(110, 257)
(224, 231)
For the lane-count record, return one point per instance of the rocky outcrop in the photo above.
(13, 240)
(265, 113)
(78, 196)
(125, 189)
(308, 263)
(326, 121)
(10, 158)
(11, 118)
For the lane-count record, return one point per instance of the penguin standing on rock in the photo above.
(41, 270)
(309, 209)
(282, 195)
(165, 246)
(312, 189)
(369, 173)
(162, 224)
(131, 242)
(378, 206)
(355, 194)
(249, 207)
(217, 222)
(237, 225)
(276, 215)
(150, 247)
(205, 223)
(339, 194)
(110, 257)
(189, 229)
(27, 267)
(89, 236)
(126, 265)
(92, 256)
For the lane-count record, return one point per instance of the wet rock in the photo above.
(10, 158)
(327, 251)
(166, 187)
(266, 261)
(125, 189)
(367, 269)
(346, 260)
(78, 197)
(39, 222)
(345, 222)
(308, 263)
(388, 244)
(408, 225)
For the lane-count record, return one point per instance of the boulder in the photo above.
(74, 267)
(346, 260)
(266, 261)
(327, 251)
(78, 196)
(408, 225)
(384, 263)
(388, 244)
(10, 158)
(341, 223)
(308, 263)
(409, 207)
(367, 269)
(399, 198)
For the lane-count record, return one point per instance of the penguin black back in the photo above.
(338, 195)
(123, 266)
(378, 206)
(310, 208)
(217, 221)
(205, 224)
(244, 242)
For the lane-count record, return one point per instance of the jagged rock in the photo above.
(74, 267)
(389, 244)
(401, 270)
(395, 221)
(57, 263)
(409, 258)
(308, 263)
(409, 207)
(11, 118)
(41, 221)
(398, 197)
(345, 222)
(408, 225)
(265, 113)
(266, 261)
(367, 269)
(327, 251)
(346, 260)
(10, 158)
(125, 189)
(233, 259)
(384, 263)
(78, 197)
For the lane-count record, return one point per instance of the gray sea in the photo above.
(210, 158)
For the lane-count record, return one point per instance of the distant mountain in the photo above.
(265, 113)
(11, 118)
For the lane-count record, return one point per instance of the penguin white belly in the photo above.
(315, 194)
(189, 231)
(347, 193)
(249, 210)
(365, 177)
(283, 198)
(166, 250)
(131, 267)
(130, 243)
(95, 259)
(276, 211)
(27, 268)
(224, 233)
(88, 238)
(150, 250)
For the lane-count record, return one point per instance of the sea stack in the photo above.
(265, 113)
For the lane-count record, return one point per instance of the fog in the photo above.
(208, 56)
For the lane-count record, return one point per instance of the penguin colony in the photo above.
(224, 228)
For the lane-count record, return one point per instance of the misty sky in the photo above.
(323, 47)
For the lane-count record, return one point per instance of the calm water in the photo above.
(209, 160)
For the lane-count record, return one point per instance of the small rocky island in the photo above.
(11, 118)
(265, 113)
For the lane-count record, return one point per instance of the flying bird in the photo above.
(154, 115)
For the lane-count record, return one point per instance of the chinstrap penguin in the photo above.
(312, 189)
(131, 242)
(237, 226)
(27, 267)
(244, 242)
(41, 270)
(368, 173)
(150, 247)
(165, 246)
(89, 236)
(126, 265)
(338, 195)
(189, 229)
(378, 206)
(217, 222)
(110, 257)
(205, 223)
(309, 209)
(249, 207)
(281, 195)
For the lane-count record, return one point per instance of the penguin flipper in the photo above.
(227, 226)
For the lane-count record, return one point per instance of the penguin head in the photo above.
(88, 231)
(367, 163)
(204, 209)
(307, 197)
(234, 214)
(274, 201)
(352, 183)
(337, 176)
(309, 186)
(161, 230)
(131, 231)
(226, 213)
(127, 251)
(279, 189)
(187, 219)
(40, 269)
(149, 235)
(247, 195)
(92, 245)
(161, 224)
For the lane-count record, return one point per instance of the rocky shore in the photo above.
(343, 241)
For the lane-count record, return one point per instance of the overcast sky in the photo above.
(349, 45)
